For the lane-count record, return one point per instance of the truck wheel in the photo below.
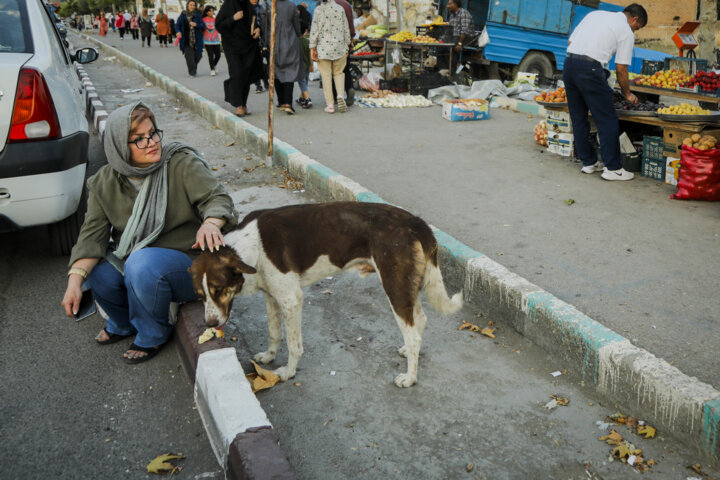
(536, 62)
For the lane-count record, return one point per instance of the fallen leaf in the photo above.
(696, 468)
(647, 431)
(562, 401)
(488, 332)
(214, 169)
(618, 418)
(625, 450)
(251, 169)
(263, 379)
(614, 438)
(470, 326)
(469, 467)
(230, 144)
(632, 422)
(569, 201)
(161, 465)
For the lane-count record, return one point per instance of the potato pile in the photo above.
(701, 142)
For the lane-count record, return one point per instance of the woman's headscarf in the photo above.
(148, 215)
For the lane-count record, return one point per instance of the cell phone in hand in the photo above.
(87, 305)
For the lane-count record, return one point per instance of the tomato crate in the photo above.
(653, 159)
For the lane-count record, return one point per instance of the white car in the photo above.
(43, 125)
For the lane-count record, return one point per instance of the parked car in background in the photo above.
(43, 125)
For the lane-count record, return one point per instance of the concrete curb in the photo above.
(626, 375)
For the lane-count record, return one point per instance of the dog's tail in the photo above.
(435, 290)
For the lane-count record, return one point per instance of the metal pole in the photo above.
(271, 82)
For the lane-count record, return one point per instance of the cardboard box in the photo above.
(674, 136)
(465, 109)
(561, 143)
(653, 160)
(672, 170)
(558, 121)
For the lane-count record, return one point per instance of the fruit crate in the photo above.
(688, 65)
(651, 66)
(653, 160)
(443, 33)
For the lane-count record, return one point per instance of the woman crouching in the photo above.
(146, 210)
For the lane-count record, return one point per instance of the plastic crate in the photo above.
(443, 33)
(420, 83)
(688, 65)
(651, 66)
(653, 159)
(397, 85)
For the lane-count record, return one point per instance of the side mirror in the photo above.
(86, 55)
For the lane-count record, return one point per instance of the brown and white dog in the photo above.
(280, 251)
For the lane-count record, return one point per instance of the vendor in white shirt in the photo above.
(598, 37)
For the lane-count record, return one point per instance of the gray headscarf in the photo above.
(148, 215)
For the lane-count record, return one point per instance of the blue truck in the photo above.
(532, 35)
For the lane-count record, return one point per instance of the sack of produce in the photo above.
(699, 169)
(541, 134)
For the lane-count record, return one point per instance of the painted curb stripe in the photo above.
(225, 400)
(711, 426)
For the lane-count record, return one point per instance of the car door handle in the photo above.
(4, 195)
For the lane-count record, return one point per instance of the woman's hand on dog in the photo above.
(209, 235)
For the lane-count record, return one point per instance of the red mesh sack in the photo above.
(699, 174)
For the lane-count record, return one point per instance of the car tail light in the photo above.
(34, 115)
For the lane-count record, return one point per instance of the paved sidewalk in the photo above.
(506, 277)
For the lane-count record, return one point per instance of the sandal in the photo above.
(330, 109)
(111, 338)
(150, 352)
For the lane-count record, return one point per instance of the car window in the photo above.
(14, 27)
(49, 17)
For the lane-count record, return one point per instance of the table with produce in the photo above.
(677, 140)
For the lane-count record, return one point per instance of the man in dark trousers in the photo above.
(348, 78)
(598, 37)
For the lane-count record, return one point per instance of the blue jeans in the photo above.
(303, 84)
(139, 302)
(587, 88)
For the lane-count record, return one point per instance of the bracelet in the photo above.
(78, 271)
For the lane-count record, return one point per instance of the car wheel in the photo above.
(63, 234)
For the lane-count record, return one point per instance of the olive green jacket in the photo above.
(194, 194)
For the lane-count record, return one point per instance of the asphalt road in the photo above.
(479, 408)
(623, 253)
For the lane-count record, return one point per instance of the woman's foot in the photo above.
(330, 109)
(137, 354)
(106, 338)
(288, 109)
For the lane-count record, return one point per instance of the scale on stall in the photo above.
(685, 40)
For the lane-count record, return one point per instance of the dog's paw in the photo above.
(264, 357)
(405, 380)
(403, 351)
(284, 373)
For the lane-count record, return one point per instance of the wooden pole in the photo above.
(271, 82)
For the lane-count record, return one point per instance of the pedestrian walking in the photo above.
(110, 20)
(349, 92)
(189, 28)
(156, 202)
(162, 23)
(146, 27)
(262, 84)
(288, 62)
(212, 38)
(329, 44)
(103, 25)
(592, 44)
(239, 36)
(120, 24)
(134, 26)
(127, 17)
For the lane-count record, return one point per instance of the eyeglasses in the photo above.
(144, 142)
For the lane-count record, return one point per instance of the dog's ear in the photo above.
(238, 266)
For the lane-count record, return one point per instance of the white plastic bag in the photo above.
(484, 38)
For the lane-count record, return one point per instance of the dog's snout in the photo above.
(212, 322)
